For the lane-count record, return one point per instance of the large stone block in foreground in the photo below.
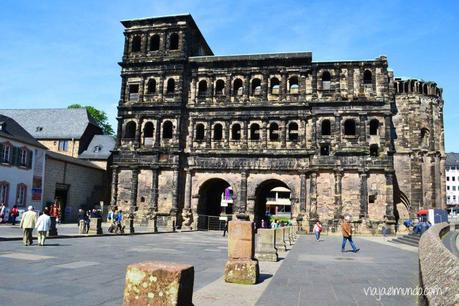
(158, 283)
(240, 271)
(265, 249)
(241, 267)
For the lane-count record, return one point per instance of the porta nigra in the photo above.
(203, 135)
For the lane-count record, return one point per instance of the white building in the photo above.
(22, 166)
(452, 180)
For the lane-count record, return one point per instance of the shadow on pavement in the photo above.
(264, 276)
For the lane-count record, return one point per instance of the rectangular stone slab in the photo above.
(240, 240)
(158, 283)
(244, 272)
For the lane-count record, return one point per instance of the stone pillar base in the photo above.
(81, 227)
(265, 250)
(280, 244)
(269, 256)
(244, 272)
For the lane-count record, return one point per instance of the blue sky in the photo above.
(55, 53)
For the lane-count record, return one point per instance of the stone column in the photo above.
(114, 191)
(119, 131)
(158, 133)
(242, 206)
(265, 249)
(388, 142)
(338, 193)
(313, 193)
(137, 133)
(186, 213)
(363, 129)
(284, 134)
(174, 209)
(245, 134)
(208, 135)
(133, 206)
(390, 196)
(314, 133)
(302, 193)
(152, 223)
(363, 195)
(338, 127)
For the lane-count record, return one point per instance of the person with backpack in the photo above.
(317, 230)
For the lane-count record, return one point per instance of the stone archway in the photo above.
(263, 194)
(212, 193)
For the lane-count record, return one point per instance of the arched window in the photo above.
(274, 132)
(148, 134)
(174, 41)
(237, 87)
(129, 130)
(293, 131)
(168, 129)
(218, 132)
(255, 131)
(325, 149)
(367, 78)
(199, 132)
(151, 86)
(326, 80)
(202, 88)
(133, 92)
(236, 132)
(425, 133)
(294, 88)
(170, 86)
(325, 128)
(374, 150)
(256, 87)
(154, 43)
(136, 44)
(274, 86)
(374, 127)
(349, 127)
(220, 87)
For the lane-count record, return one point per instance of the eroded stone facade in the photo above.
(343, 136)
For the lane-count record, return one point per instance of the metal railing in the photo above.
(212, 223)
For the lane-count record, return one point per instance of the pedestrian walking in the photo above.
(225, 228)
(118, 222)
(28, 221)
(346, 229)
(2, 212)
(82, 221)
(43, 225)
(317, 230)
(14, 213)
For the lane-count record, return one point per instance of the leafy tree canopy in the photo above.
(98, 115)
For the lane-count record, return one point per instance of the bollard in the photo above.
(241, 267)
(95, 226)
(158, 283)
(81, 227)
(290, 235)
(280, 244)
(265, 248)
(285, 236)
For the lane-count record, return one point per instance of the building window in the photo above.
(374, 150)
(151, 86)
(374, 127)
(274, 132)
(326, 80)
(236, 131)
(63, 145)
(293, 131)
(174, 41)
(170, 86)
(168, 129)
(447, 187)
(21, 195)
(220, 87)
(154, 43)
(148, 130)
(349, 127)
(218, 132)
(199, 132)
(367, 78)
(129, 130)
(6, 153)
(255, 132)
(134, 92)
(454, 188)
(136, 44)
(23, 154)
(256, 87)
(202, 88)
(447, 178)
(238, 90)
(274, 86)
(294, 88)
(4, 188)
(325, 149)
(325, 128)
(454, 178)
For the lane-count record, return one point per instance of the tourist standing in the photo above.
(346, 229)
(28, 221)
(225, 228)
(14, 213)
(317, 230)
(43, 225)
(54, 213)
(118, 221)
(2, 212)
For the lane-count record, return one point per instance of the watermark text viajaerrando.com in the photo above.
(379, 292)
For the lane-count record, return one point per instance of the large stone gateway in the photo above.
(204, 135)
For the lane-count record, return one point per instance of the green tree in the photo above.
(98, 115)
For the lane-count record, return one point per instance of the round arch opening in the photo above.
(272, 199)
(215, 203)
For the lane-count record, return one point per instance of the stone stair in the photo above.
(411, 239)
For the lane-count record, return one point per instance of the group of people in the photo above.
(8, 216)
(418, 228)
(84, 218)
(115, 218)
(346, 230)
(29, 222)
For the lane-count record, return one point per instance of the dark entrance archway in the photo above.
(212, 195)
(264, 194)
